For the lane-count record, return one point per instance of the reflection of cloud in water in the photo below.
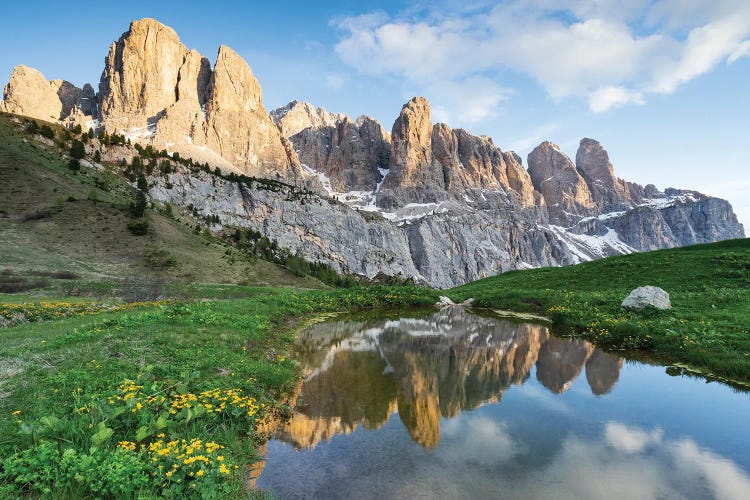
(630, 462)
(725, 479)
(479, 440)
(630, 439)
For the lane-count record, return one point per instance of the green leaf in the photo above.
(50, 421)
(142, 433)
(102, 435)
(161, 422)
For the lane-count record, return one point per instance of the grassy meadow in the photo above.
(152, 399)
(708, 328)
(145, 361)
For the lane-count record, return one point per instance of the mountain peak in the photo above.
(299, 115)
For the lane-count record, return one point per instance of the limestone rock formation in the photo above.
(430, 163)
(297, 116)
(140, 76)
(29, 93)
(238, 126)
(352, 155)
(565, 191)
(157, 91)
(437, 205)
(412, 170)
(607, 191)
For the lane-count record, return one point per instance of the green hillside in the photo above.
(709, 287)
(67, 231)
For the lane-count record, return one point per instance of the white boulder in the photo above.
(647, 296)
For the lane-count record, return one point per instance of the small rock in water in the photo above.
(647, 296)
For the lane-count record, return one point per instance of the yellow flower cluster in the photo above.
(127, 445)
(45, 311)
(183, 459)
(214, 401)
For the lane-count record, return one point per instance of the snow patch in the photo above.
(585, 247)
(137, 133)
(669, 201)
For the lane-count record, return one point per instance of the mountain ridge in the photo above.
(424, 201)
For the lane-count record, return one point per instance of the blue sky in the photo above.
(663, 84)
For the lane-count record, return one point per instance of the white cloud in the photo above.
(607, 98)
(704, 48)
(474, 99)
(742, 51)
(724, 477)
(611, 53)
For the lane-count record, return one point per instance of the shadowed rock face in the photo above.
(351, 154)
(608, 192)
(565, 191)
(413, 177)
(430, 163)
(298, 116)
(426, 369)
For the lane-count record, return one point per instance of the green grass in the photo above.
(709, 285)
(66, 232)
(70, 428)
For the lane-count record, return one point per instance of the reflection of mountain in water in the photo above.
(360, 373)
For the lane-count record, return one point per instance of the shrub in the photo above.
(77, 150)
(45, 468)
(74, 165)
(139, 228)
(32, 127)
(46, 131)
(138, 207)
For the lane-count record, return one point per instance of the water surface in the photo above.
(456, 405)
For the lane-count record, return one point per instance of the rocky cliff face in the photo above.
(29, 93)
(564, 189)
(428, 202)
(297, 116)
(430, 163)
(351, 156)
(157, 91)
